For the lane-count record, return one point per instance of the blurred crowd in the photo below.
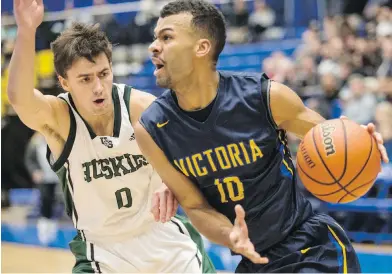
(343, 66)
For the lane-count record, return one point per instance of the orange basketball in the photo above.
(338, 161)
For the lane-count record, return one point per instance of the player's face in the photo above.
(173, 49)
(90, 84)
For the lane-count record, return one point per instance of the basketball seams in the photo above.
(325, 166)
(358, 187)
(351, 179)
(365, 164)
(345, 149)
(321, 183)
(307, 175)
(362, 169)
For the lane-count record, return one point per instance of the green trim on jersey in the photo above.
(67, 186)
(67, 146)
(117, 114)
(127, 99)
(79, 250)
(207, 265)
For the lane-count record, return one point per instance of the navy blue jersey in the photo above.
(236, 156)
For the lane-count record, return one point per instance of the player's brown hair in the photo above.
(78, 41)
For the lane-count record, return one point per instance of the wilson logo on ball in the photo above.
(329, 146)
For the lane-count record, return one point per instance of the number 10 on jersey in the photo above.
(231, 185)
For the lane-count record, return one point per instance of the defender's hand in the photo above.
(28, 14)
(240, 242)
(164, 204)
(371, 128)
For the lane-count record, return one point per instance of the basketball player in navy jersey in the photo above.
(218, 141)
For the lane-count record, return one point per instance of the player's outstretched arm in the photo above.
(215, 226)
(289, 113)
(33, 108)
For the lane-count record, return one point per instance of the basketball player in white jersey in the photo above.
(108, 184)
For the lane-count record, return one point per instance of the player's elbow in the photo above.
(17, 98)
(13, 97)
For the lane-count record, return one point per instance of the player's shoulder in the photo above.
(159, 105)
(158, 110)
(247, 85)
(244, 76)
(136, 100)
(134, 96)
(59, 102)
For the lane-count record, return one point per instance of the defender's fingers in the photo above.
(169, 205)
(162, 206)
(155, 206)
(175, 207)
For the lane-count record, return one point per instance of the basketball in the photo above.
(338, 161)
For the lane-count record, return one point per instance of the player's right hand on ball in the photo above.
(28, 14)
(240, 242)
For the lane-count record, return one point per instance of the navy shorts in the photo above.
(319, 245)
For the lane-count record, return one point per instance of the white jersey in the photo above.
(107, 182)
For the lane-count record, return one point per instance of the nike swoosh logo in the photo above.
(303, 251)
(163, 124)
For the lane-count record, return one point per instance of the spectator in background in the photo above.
(345, 70)
(237, 18)
(384, 71)
(260, 19)
(359, 104)
(383, 117)
(330, 86)
(331, 51)
(311, 45)
(307, 80)
(46, 181)
(324, 99)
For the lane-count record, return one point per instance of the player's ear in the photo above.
(64, 83)
(203, 47)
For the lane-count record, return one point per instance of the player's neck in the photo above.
(198, 90)
(103, 124)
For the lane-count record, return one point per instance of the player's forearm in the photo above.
(213, 225)
(21, 69)
(303, 122)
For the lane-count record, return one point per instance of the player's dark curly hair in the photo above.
(206, 18)
(80, 40)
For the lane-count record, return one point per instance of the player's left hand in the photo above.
(239, 238)
(164, 204)
(371, 128)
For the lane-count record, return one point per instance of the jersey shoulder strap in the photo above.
(56, 165)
